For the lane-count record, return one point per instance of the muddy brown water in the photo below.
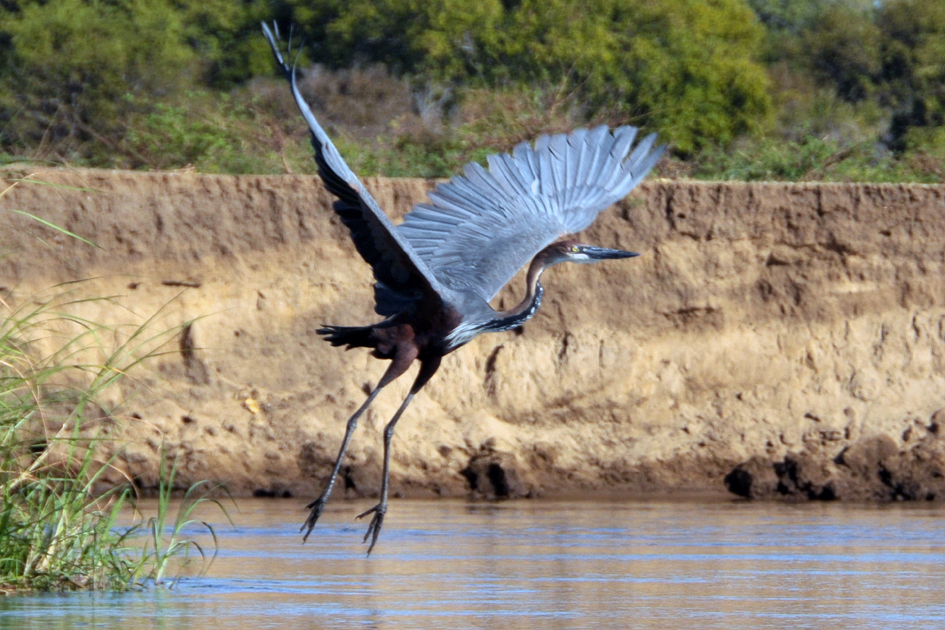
(538, 564)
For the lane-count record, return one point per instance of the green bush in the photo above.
(70, 62)
(74, 71)
(913, 72)
(207, 131)
(685, 68)
(843, 50)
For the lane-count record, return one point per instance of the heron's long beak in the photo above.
(602, 253)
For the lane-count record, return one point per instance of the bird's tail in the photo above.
(352, 336)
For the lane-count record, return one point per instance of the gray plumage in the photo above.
(480, 228)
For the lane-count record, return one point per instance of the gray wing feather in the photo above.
(642, 148)
(507, 173)
(577, 149)
(623, 138)
(481, 227)
(598, 143)
(524, 158)
(559, 153)
(546, 180)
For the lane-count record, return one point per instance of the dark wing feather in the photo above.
(481, 227)
(402, 275)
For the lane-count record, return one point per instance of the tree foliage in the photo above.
(73, 69)
(687, 68)
(891, 53)
(97, 77)
(843, 50)
(913, 65)
(82, 57)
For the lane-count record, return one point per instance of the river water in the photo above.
(542, 564)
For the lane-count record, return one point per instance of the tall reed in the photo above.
(57, 529)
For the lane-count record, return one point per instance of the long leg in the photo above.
(427, 370)
(396, 368)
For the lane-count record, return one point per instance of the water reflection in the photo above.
(536, 564)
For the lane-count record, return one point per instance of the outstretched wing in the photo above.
(482, 227)
(402, 275)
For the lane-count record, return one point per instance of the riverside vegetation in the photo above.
(59, 529)
(842, 90)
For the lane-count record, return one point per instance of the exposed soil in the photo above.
(774, 340)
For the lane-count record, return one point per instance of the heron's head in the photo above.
(572, 251)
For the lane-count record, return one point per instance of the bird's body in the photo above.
(438, 270)
(436, 328)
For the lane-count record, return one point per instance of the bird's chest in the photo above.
(433, 330)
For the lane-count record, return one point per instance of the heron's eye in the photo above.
(575, 249)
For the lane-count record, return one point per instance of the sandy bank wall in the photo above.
(772, 339)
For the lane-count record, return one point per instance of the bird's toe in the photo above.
(374, 529)
(316, 507)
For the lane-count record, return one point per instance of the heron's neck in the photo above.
(507, 320)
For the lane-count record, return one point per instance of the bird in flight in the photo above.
(436, 272)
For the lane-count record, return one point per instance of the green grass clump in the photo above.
(819, 159)
(58, 530)
(166, 544)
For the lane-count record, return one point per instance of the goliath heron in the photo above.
(436, 272)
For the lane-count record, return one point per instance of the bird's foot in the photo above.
(374, 529)
(316, 507)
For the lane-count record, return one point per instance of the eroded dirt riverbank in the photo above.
(772, 339)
